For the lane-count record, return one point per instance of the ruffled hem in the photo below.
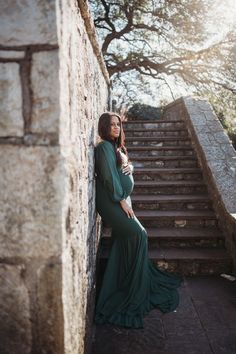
(124, 319)
(136, 320)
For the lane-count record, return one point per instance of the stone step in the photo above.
(153, 158)
(159, 129)
(188, 261)
(170, 198)
(160, 151)
(164, 161)
(152, 121)
(170, 187)
(177, 218)
(153, 124)
(177, 237)
(158, 141)
(171, 202)
(177, 132)
(176, 214)
(167, 174)
(154, 129)
(157, 148)
(192, 261)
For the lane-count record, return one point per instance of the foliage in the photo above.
(224, 105)
(143, 111)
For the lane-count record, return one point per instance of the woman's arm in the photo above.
(106, 169)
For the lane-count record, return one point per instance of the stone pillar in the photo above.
(53, 87)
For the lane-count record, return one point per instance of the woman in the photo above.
(132, 285)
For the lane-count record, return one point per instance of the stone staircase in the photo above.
(171, 200)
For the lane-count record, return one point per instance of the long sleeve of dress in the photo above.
(106, 169)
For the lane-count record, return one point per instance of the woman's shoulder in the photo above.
(104, 144)
(104, 148)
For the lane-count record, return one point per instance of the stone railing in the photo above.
(217, 158)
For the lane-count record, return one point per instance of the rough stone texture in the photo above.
(45, 92)
(49, 230)
(92, 35)
(217, 159)
(11, 54)
(28, 22)
(11, 120)
(83, 99)
(30, 203)
(218, 150)
(50, 338)
(15, 328)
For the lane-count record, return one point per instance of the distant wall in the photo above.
(217, 158)
(53, 87)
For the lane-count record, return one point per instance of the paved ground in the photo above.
(204, 323)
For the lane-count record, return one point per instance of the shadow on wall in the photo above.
(92, 243)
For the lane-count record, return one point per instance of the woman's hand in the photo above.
(127, 209)
(128, 169)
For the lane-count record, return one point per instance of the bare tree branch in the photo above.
(154, 39)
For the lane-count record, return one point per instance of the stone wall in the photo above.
(217, 158)
(53, 87)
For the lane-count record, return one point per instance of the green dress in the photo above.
(132, 285)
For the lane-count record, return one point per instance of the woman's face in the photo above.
(115, 127)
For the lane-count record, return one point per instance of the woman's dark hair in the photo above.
(104, 130)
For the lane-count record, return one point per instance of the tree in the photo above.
(147, 40)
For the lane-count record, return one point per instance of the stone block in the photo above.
(49, 308)
(15, 324)
(11, 54)
(30, 201)
(45, 92)
(11, 119)
(28, 22)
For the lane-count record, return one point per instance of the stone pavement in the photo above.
(204, 323)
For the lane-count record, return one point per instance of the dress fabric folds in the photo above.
(132, 285)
